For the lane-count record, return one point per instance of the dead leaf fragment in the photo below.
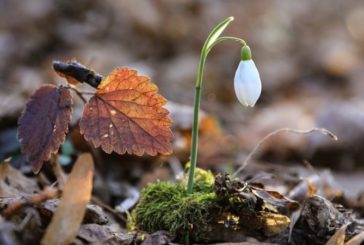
(93, 214)
(103, 234)
(44, 123)
(14, 184)
(339, 237)
(275, 198)
(68, 217)
(126, 115)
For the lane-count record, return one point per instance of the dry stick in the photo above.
(43, 180)
(18, 203)
(175, 166)
(58, 172)
(290, 130)
(30, 213)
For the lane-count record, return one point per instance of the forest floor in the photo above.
(299, 186)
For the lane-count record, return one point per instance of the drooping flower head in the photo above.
(247, 82)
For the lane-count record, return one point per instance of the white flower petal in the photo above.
(247, 83)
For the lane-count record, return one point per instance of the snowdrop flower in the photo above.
(247, 82)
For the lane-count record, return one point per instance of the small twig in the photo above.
(80, 93)
(14, 204)
(58, 172)
(24, 222)
(30, 213)
(309, 166)
(175, 166)
(43, 180)
(290, 130)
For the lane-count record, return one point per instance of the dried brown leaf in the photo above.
(14, 184)
(44, 123)
(126, 115)
(68, 217)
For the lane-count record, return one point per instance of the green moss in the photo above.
(167, 206)
(204, 181)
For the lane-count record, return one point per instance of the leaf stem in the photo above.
(212, 40)
(80, 93)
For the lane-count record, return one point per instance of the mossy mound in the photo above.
(204, 181)
(167, 206)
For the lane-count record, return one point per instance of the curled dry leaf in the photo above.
(68, 217)
(126, 115)
(275, 198)
(44, 123)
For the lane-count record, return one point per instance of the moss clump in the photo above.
(167, 206)
(204, 181)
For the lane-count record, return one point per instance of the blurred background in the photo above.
(310, 56)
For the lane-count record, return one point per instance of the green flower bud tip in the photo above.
(246, 53)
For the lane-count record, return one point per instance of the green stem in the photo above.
(187, 239)
(196, 112)
(221, 39)
(212, 40)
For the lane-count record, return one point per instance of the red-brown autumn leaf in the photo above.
(44, 123)
(126, 115)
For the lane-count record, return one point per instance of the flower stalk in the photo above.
(212, 40)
